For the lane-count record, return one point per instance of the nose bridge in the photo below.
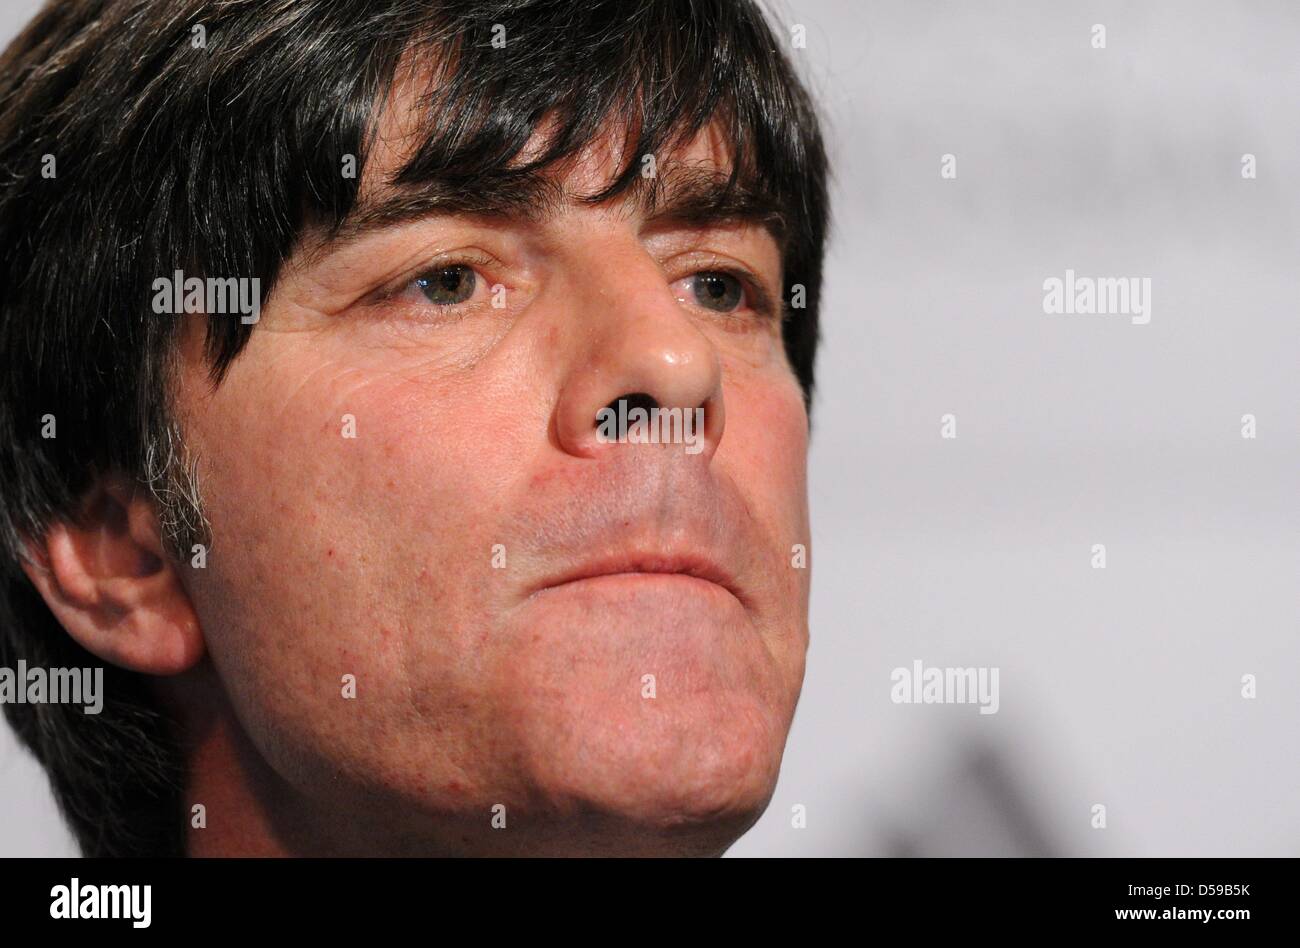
(635, 343)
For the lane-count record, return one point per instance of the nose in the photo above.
(641, 349)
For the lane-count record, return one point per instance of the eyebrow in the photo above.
(692, 198)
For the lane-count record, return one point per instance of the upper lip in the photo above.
(699, 566)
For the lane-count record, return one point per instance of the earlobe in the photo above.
(107, 579)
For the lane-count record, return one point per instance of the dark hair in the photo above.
(212, 157)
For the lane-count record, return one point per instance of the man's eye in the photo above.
(447, 286)
(720, 292)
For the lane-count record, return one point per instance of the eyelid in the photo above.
(468, 258)
(760, 297)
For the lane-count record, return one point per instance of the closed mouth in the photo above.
(649, 565)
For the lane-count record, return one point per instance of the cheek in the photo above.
(764, 450)
(764, 453)
(340, 465)
(351, 516)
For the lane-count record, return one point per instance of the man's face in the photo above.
(405, 484)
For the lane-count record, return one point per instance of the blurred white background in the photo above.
(1119, 686)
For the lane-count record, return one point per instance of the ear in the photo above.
(107, 579)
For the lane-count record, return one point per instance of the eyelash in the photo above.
(757, 296)
(467, 258)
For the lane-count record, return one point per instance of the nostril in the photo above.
(635, 400)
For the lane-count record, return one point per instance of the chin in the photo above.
(688, 779)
